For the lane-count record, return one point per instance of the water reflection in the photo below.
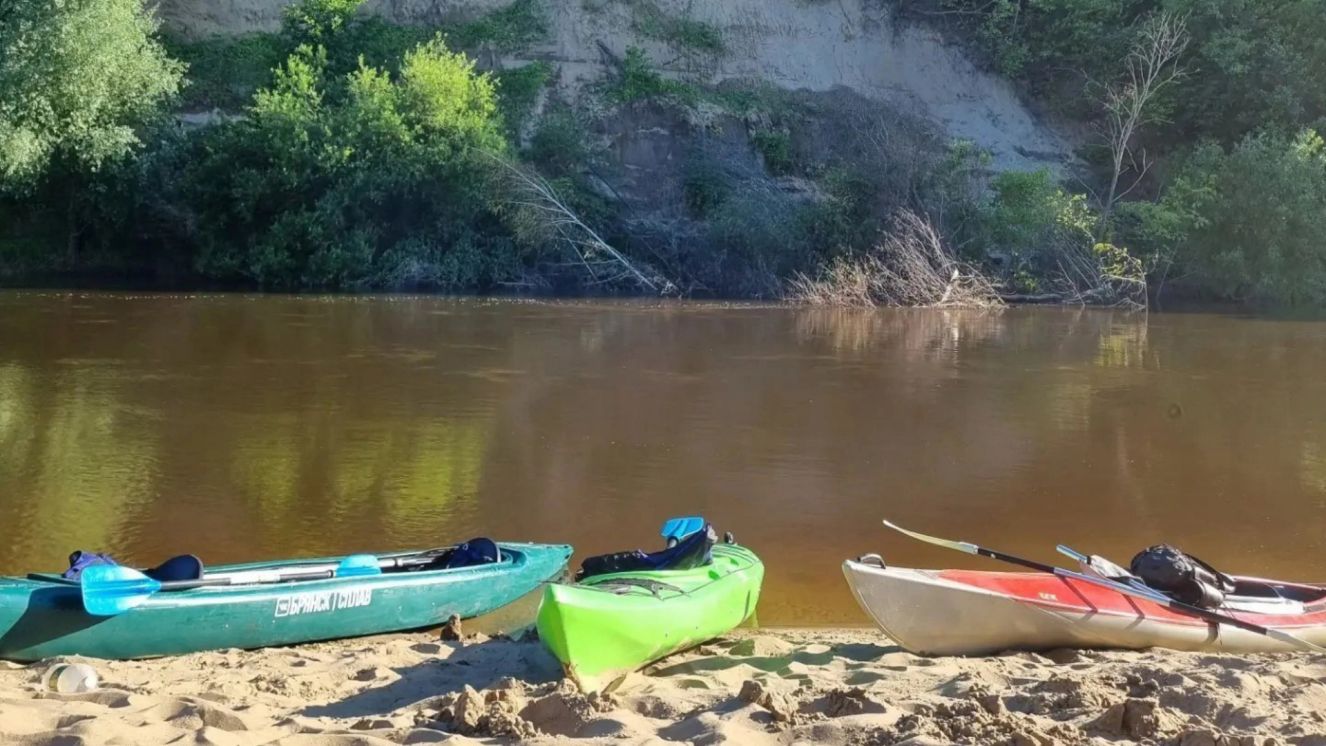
(240, 427)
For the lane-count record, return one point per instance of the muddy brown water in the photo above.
(242, 427)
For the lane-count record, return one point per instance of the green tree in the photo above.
(77, 80)
(1253, 64)
(1244, 223)
(362, 179)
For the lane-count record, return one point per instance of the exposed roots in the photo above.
(911, 267)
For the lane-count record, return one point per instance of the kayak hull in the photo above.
(958, 612)
(601, 629)
(42, 616)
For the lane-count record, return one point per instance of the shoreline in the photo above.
(839, 685)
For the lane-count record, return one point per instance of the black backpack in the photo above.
(1182, 576)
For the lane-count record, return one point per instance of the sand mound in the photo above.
(836, 687)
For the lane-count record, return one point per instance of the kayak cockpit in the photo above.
(1260, 589)
(474, 553)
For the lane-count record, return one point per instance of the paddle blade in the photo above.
(961, 546)
(358, 565)
(113, 589)
(680, 528)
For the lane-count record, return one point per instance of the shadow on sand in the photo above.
(479, 665)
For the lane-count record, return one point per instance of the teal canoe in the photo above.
(43, 615)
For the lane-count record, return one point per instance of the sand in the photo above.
(752, 687)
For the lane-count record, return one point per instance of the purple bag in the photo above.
(80, 560)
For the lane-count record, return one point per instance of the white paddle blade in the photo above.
(961, 546)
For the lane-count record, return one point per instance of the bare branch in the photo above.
(1150, 67)
(539, 200)
(911, 267)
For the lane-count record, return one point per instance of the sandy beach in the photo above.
(753, 687)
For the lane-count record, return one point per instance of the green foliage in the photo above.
(318, 21)
(1244, 223)
(639, 81)
(359, 180)
(349, 37)
(224, 72)
(683, 33)
(508, 29)
(518, 92)
(1028, 210)
(1032, 223)
(374, 42)
(776, 148)
(1253, 64)
(756, 238)
(844, 221)
(1040, 39)
(558, 146)
(77, 80)
(704, 187)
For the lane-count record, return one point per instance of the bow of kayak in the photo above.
(43, 615)
(962, 612)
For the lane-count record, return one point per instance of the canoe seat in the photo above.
(691, 552)
(477, 551)
(183, 567)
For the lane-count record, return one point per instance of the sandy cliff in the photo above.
(811, 45)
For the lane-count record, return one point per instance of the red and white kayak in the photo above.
(964, 612)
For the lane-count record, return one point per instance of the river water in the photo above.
(244, 427)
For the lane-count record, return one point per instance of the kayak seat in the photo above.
(477, 551)
(183, 567)
(689, 553)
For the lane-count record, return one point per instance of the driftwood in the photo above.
(910, 267)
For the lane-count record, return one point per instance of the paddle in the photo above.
(1143, 592)
(114, 589)
(676, 529)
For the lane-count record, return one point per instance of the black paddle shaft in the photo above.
(1032, 564)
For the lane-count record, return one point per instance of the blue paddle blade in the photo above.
(680, 528)
(114, 589)
(358, 565)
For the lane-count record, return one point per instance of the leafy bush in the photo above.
(640, 81)
(518, 92)
(681, 32)
(223, 72)
(704, 187)
(776, 147)
(1039, 39)
(558, 146)
(317, 21)
(1029, 215)
(1244, 223)
(1254, 64)
(76, 82)
(508, 29)
(359, 180)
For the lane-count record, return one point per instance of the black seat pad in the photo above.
(183, 567)
(478, 551)
(692, 551)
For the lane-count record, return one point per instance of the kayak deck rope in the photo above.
(622, 585)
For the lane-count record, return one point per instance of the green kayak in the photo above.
(608, 625)
(45, 615)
